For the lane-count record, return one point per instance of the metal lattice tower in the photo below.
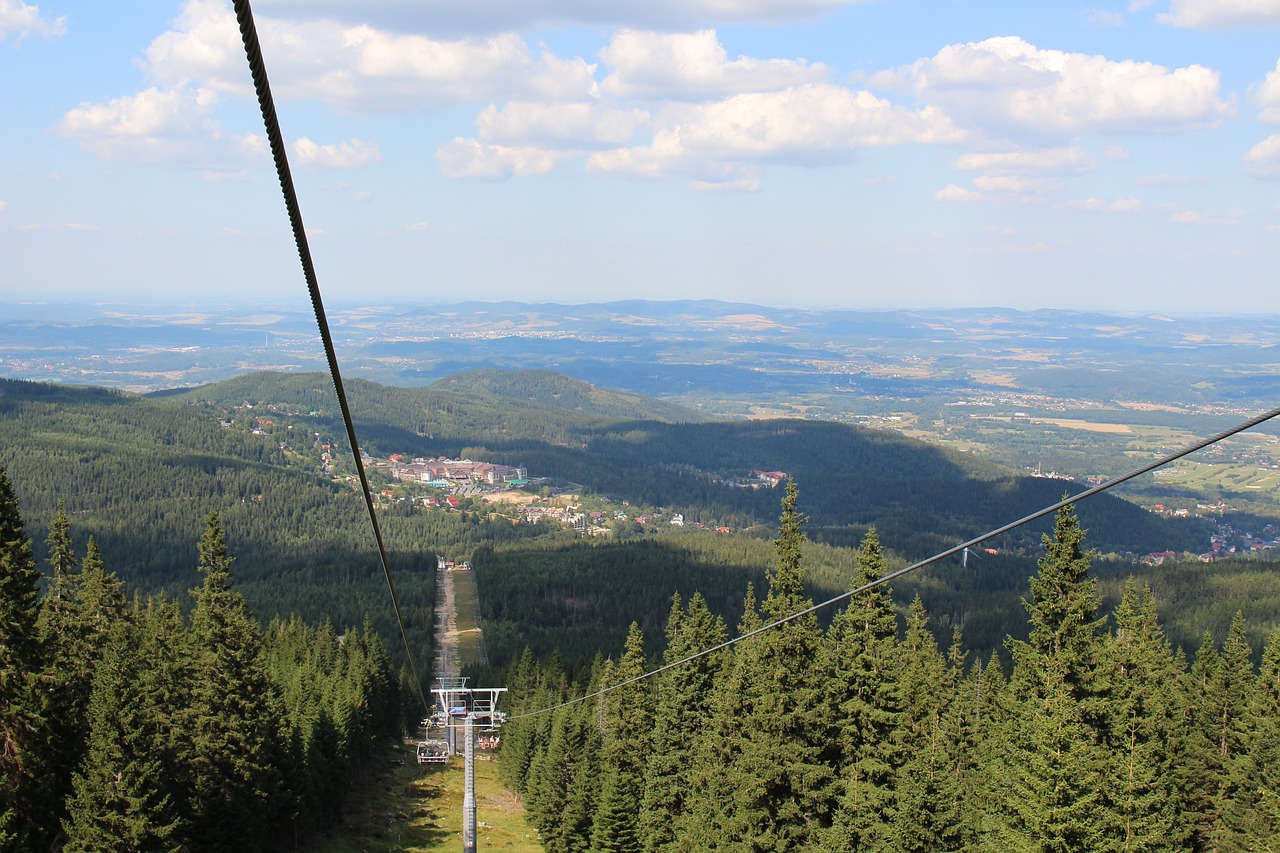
(464, 710)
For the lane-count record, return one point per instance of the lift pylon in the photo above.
(462, 711)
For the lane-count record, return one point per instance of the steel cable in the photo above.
(253, 52)
(942, 555)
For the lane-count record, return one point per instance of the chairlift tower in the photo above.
(466, 709)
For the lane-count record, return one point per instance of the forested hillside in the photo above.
(140, 474)
(864, 736)
(127, 726)
(919, 496)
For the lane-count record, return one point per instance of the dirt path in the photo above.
(447, 664)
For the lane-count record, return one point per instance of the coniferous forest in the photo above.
(1076, 722)
(866, 736)
(127, 725)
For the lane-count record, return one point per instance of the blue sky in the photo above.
(1119, 156)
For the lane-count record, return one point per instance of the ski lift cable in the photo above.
(253, 53)
(883, 579)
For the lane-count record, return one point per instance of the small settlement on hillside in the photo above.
(464, 480)
(443, 472)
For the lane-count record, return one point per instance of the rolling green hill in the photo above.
(140, 473)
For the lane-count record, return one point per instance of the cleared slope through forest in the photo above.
(459, 640)
(418, 808)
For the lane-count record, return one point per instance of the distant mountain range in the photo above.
(679, 349)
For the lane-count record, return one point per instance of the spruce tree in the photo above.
(961, 806)
(1251, 819)
(532, 686)
(72, 644)
(779, 761)
(624, 750)
(1145, 734)
(123, 794)
(925, 784)
(563, 780)
(1205, 767)
(1053, 761)
(1227, 729)
(863, 664)
(23, 817)
(682, 707)
(235, 721)
(722, 801)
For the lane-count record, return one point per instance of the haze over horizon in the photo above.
(1119, 157)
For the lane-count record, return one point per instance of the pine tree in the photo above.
(123, 797)
(1053, 763)
(721, 801)
(924, 780)
(1145, 737)
(1251, 820)
(682, 708)
(624, 749)
(1205, 767)
(72, 639)
(23, 824)
(783, 781)
(863, 664)
(1226, 726)
(235, 720)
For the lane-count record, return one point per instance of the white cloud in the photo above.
(1008, 87)
(1222, 14)
(360, 68)
(489, 15)
(352, 154)
(1018, 173)
(3, 205)
(153, 126)
(1263, 159)
(1120, 205)
(468, 158)
(743, 184)
(1267, 96)
(1023, 248)
(559, 125)
(1139, 5)
(1072, 161)
(694, 66)
(1165, 179)
(20, 20)
(1020, 184)
(1102, 18)
(1201, 217)
(807, 125)
(952, 192)
(254, 147)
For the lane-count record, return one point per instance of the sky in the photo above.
(1116, 156)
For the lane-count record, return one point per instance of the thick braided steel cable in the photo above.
(253, 52)
(950, 552)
